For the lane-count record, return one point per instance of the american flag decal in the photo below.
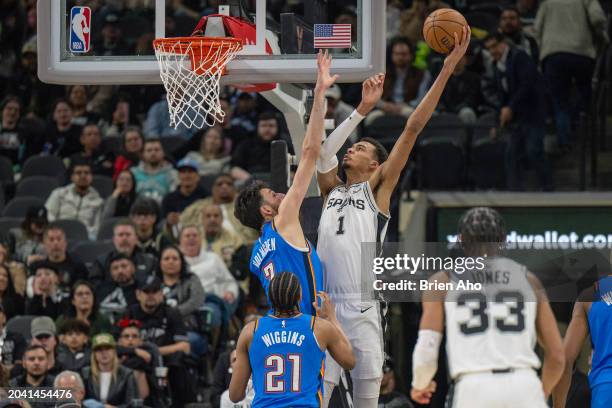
(332, 36)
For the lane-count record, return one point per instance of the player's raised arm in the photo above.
(575, 336)
(387, 175)
(327, 164)
(242, 369)
(549, 339)
(288, 212)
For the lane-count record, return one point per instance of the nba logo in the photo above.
(80, 22)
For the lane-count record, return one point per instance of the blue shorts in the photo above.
(601, 395)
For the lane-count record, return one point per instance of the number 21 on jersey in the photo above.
(276, 365)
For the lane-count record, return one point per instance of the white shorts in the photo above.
(520, 388)
(362, 324)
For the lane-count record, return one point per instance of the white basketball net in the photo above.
(190, 72)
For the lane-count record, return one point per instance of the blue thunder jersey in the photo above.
(600, 327)
(272, 254)
(287, 363)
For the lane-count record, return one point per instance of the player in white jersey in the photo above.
(356, 212)
(490, 332)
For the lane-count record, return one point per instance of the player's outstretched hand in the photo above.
(371, 92)
(423, 397)
(324, 79)
(327, 310)
(461, 46)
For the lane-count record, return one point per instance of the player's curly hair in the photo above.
(284, 293)
(482, 224)
(248, 202)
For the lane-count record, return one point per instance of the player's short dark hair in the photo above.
(74, 326)
(482, 225)
(381, 153)
(284, 292)
(248, 202)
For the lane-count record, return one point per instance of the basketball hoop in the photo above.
(190, 69)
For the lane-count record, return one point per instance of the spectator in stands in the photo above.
(12, 20)
(62, 135)
(412, 19)
(219, 285)
(245, 112)
(78, 98)
(566, 61)
(37, 97)
(247, 158)
(138, 356)
(133, 145)
(338, 110)
(73, 353)
(12, 345)
(17, 141)
(42, 330)
(35, 364)
(11, 302)
(157, 123)
(233, 131)
(78, 200)
(404, 84)
(55, 246)
(125, 241)
(510, 26)
(47, 299)
(394, 9)
(389, 396)
(29, 244)
(222, 375)
(223, 194)
(123, 197)
(69, 380)
(523, 110)
(83, 307)
(155, 177)
(120, 118)
(188, 191)
(462, 95)
(91, 140)
(145, 214)
(218, 239)
(183, 291)
(527, 10)
(163, 326)
(117, 294)
(17, 270)
(111, 41)
(211, 158)
(106, 380)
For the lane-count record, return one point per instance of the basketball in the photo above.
(439, 28)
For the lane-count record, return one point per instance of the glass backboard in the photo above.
(110, 41)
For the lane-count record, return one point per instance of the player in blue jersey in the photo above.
(285, 351)
(282, 245)
(592, 315)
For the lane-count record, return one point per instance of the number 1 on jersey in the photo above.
(340, 226)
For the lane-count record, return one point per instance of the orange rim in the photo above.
(199, 49)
